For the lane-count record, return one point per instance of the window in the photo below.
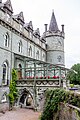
(8, 18)
(43, 57)
(20, 46)
(30, 35)
(30, 51)
(20, 27)
(6, 40)
(4, 98)
(37, 55)
(59, 58)
(5, 73)
(20, 71)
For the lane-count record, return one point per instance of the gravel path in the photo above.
(20, 114)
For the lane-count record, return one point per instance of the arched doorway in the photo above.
(20, 72)
(26, 99)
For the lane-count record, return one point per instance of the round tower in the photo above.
(55, 42)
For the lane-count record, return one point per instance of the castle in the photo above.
(20, 42)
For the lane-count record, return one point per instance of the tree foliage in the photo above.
(13, 90)
(72, 76)
(53, 99)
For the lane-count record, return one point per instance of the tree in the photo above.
(72, 76)
(13, 94)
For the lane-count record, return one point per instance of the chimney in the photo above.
(45, 27)
(62, 28)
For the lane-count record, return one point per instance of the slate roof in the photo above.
(53, 23)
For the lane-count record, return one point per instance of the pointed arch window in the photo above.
(43, 56)
(5, 73)
(30, 51)
(20, 46)
(6, 40)
(37, 54)
(20, 72)
(59, 58)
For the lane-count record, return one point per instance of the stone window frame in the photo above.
(5, 73)
(21, 27)
(37, 54)
(20, 46)
(30, 35)
(6, 39)
(8, 17)
(30, 51)
(43, 56)
(59, 58)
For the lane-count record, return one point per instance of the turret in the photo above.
(55, 42)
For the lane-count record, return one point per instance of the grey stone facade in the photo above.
(19, 41)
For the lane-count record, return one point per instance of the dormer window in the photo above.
(20, 46)
(20, 27)
(30, 51)
(37, 33)
(6, 40)
(30, 35)
(8, 18)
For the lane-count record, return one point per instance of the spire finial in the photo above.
(53, 24)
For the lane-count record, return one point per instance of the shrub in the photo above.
(53, 99)
(13, 94)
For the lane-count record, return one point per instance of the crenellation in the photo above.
(48, 33)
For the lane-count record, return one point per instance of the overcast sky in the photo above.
(67, 12)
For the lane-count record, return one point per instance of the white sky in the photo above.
(67, 12)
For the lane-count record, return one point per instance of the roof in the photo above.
(6, 6)
(53, 23)
(19, 17)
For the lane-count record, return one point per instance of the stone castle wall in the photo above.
(68, 112)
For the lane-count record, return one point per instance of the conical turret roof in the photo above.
(53, 23)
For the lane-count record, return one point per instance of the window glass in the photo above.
(37, 55)
(59, 58)
(5, 73)
(20, 46)
(6, 40)
(30, 51)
